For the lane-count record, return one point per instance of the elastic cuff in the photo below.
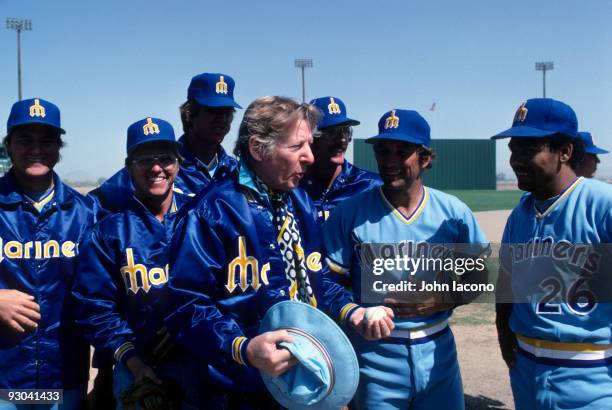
(125, 352)
(243, 353)
(239, 350)
(347, 311)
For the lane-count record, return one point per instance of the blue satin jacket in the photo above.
(120, 287)
(115, 193)
(38, 256)
(226, 270)
(351, 180)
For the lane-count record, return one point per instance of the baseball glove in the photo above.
(148, 395)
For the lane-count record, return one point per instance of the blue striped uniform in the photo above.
(39, 248)
(565, 349)
(431, 379)
(115, 193)
(351, 181)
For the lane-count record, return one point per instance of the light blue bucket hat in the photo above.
(327, 373)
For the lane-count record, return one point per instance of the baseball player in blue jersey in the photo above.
(331, 178)
(588, 166)
(557, 341)
(120, 287)
(42, 222)
(206, 116)
(416, 367)
(250, 241)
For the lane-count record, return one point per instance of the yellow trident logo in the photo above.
(521, 113)
(37, 110)
(221, 86)
(392, 121)
(333, 107)
(150, 127)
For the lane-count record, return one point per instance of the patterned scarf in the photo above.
(290, 244)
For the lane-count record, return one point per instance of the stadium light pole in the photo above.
(18, 25)
(543, 67)
(303, 63)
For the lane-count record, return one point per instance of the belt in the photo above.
(421, 334)
(564, 354)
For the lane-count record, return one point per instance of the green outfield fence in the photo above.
(459, 164)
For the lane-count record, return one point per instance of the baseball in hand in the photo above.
(375, 313)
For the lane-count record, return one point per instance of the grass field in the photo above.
(487, 200)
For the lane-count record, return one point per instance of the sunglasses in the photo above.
(333, 133)
(164, 160)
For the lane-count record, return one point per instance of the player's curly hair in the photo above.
(556, 142)
(424, 153)
(188, 110)
(268, 118)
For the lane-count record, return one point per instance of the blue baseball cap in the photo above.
(149, 130)
(334, 112)
(34, 111)
(589, 145)
(404, 126)
(542, 117)
(327, 373)
(212, 90)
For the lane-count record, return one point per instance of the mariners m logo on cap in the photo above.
(150, 127)
(521, 113)
(333, 106)
(221, 86)
(392, 121)
(37, 110)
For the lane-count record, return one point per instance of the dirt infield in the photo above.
(485, 375)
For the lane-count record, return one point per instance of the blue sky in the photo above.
(108, 64)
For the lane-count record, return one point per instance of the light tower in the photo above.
(18, 25)
(303, 63)
(543, 67)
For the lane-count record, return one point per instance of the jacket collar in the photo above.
(344, 176)
(11, 193)
(224, 161)
(246, 179)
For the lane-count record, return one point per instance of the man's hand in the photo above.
(18, 311)
(372, 329)
(404, 310)
(140, 370)
(505, 336)
(264, 353)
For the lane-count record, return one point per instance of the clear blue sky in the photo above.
(110, 63)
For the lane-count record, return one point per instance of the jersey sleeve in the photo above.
(470, 231)
(96, 295)
(505, 262)
(197, 259)
(337, 241)
(337, 301)
(471, 242)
